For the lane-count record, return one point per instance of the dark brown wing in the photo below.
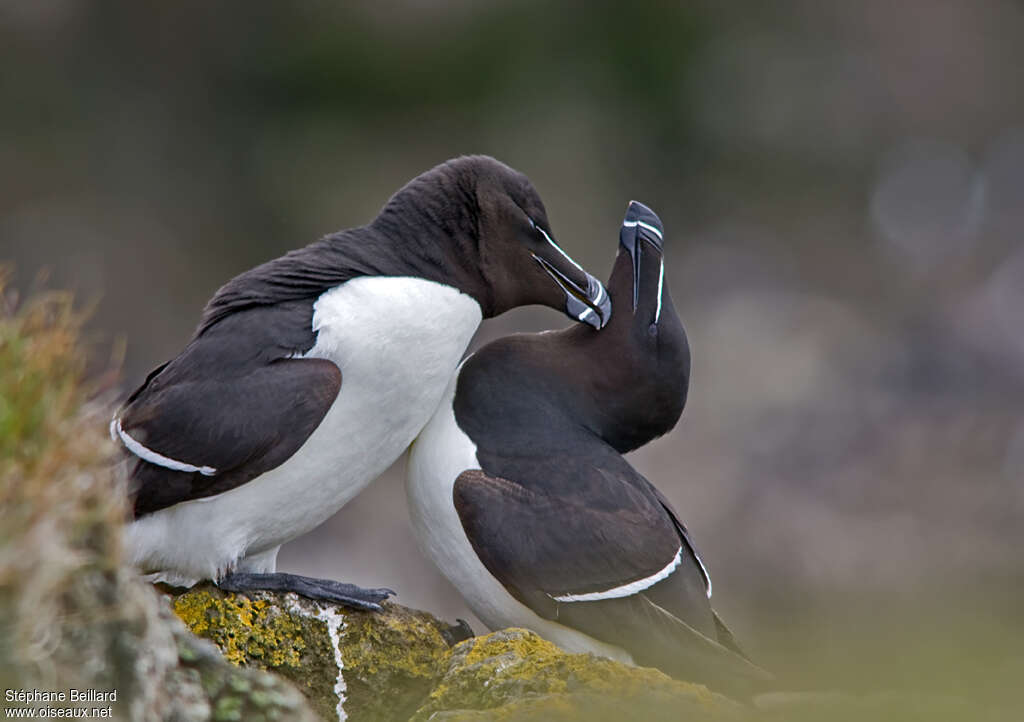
(225, 410)
(622, 571)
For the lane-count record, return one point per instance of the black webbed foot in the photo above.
(319, 589)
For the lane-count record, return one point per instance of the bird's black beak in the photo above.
(641, 224)
(586, 299)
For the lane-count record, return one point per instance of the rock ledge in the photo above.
(396, 665)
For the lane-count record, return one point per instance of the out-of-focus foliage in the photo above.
(72, 614)
(40, 388)
(61, 512)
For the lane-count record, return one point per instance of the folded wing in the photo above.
(620, 569)
(229, 408)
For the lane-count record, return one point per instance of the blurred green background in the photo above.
(842, 185)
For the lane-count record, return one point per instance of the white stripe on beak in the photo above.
(559, 248)
(648, 226)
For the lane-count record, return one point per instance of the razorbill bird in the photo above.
(519, 493)
(310, 374)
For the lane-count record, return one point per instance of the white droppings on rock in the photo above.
(335, 622)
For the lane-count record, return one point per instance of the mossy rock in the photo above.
(396, 665)
(350, 664)
(212, 690)
(392, 661)
(513, 674)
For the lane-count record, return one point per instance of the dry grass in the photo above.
(61, 509)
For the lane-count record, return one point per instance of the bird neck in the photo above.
(635, 372)
(420, 235)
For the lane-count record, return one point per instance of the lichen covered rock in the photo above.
(396, 665)
(208, 688)
(391, 660)
(513, 674)
(245, 630)
(350, 664)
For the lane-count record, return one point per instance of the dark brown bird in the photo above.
(310, 374)
(520, 494)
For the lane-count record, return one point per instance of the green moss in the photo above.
(227, 709)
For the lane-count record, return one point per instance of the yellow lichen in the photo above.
(396, 642)
(524, 645)
(498, 672)
(246, 631)
(538, 658)
(391, 661)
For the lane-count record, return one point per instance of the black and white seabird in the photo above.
(310, 374)
(519, 492)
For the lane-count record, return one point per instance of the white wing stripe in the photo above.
(704, 571)
(626, 589)
(146, 454)
(661, 283)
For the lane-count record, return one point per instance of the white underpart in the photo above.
(558, 248)
(626, 590)
(661, 283)
(648, 226)
(438, 456)
(397, 341)
(147, 454)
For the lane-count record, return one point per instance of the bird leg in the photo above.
(325, 590)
